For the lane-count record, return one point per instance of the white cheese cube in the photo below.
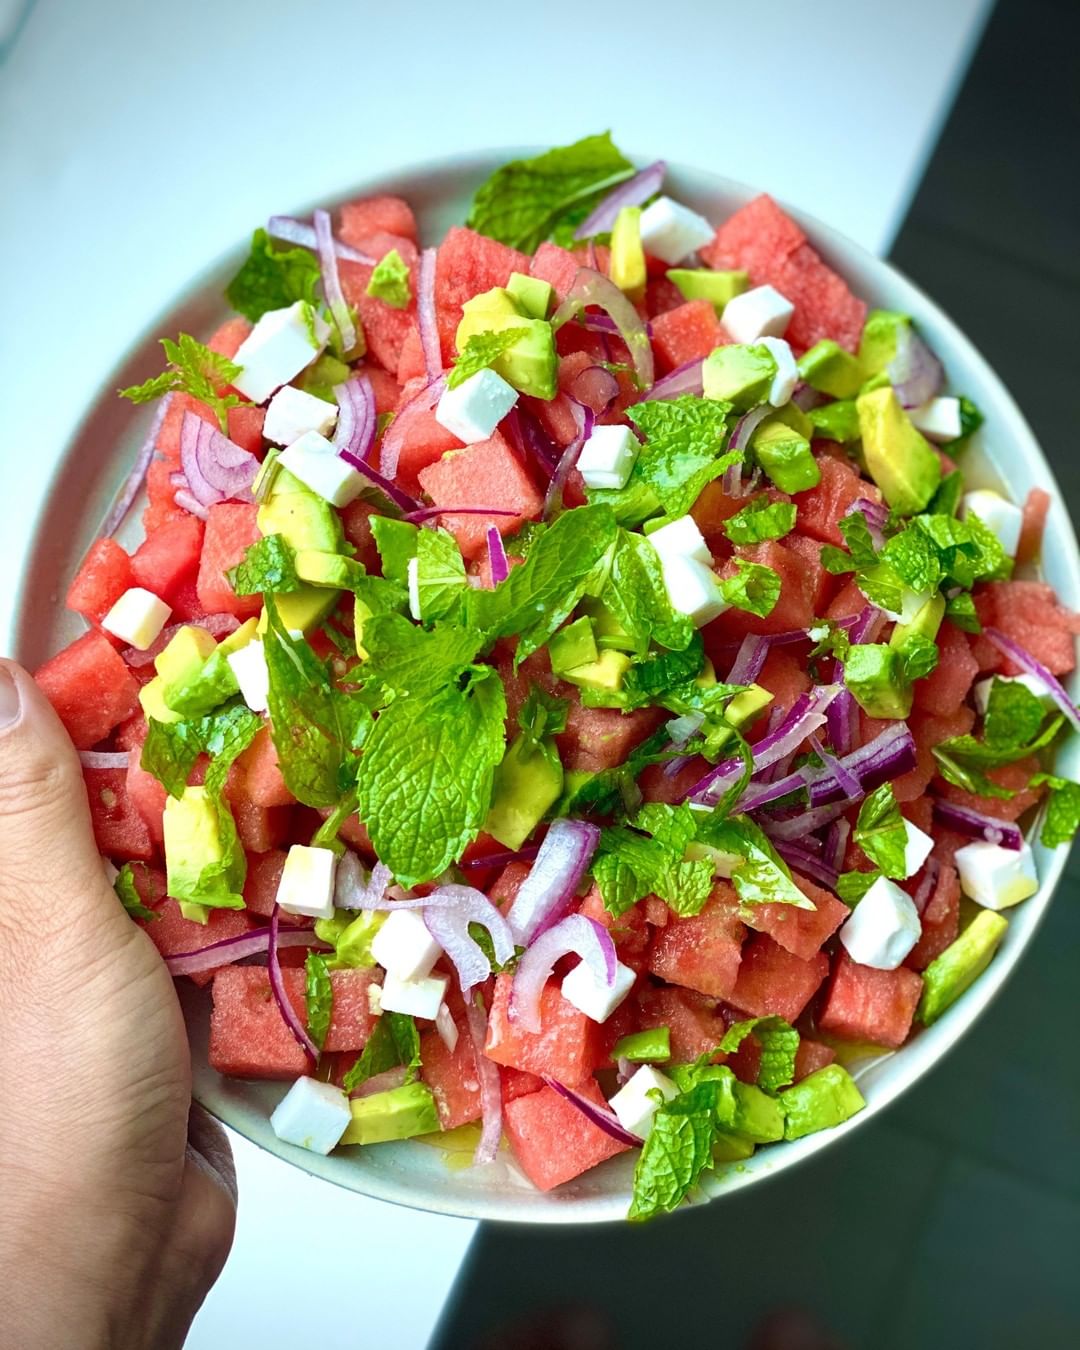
(278, 348)
(137, 618)
(307, 882)
(670, 231)
(608, 456)
(412, 571)
(292, 413)
(883, 927)
(787, 372)
(938, 419)
(681, 538)
(761, 312)
(312, 1115)
(634, 1106)
(692, 589)
(473, 410)
(317, 464)
(998, 515)
(594, 998)
(418, 998)
(917, 849)
(248, 664)
(1032, 682)
(404, 947)
(996, 877)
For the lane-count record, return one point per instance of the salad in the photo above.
(567, 694)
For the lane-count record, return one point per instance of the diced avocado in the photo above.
(729, 1147)
(204, 863)
(746, 705)
(531, 364)
(960, 964)
(301, 610)
(652, 1046)
(837, 421)
(874, 673)
(528, 782)
(604, 674)
(215, 682)
(820, 1101)
(400, 1113)
(495, 303)
(351, 935)
(532, 294)
(877, 346)
(152, 699)
(304, 519)
(784, 454)
(700, 283)
(574, 645)
(879, 381)
(185, 655)
(686, 1076)
(758, 1117)
(321, 376)
(607, 629)
(832, 370)
(903, 464)
(739, 374)
(925, 623)
(327, 569)
(627, 266)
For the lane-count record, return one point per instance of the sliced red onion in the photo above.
(331, 281)
(889, 755)
(806, 397)
(751, 657)
(526, 854)
(397, 495)
(230, 950)
(104, 759)
(1021, 657)
(490, 1087)
(354, 888)
(500, 567)
(976, 825)
(382, 1082)
(684, 379)
(448, 911)
(425, 314)
(843, 718)
(132, 484)
(604, 324)
(216, 468)
(847, 781)
(291, 231)
(547, 891)
(645, 183)
(595, 388)
(747, 425)
(396, 432)
(355, 431)
(927, 884)
(804, 861)
(427, 513)
(177, 479)
(217, 625)
(914, 372)
(836, 841)
(601, 1116)
(277, 988)
(867, 626)
(553, 496)
(592, 288)
(188, 503)
(446, 1027)
(533, 441)
(574, 935)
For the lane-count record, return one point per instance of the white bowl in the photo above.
(415, 1174)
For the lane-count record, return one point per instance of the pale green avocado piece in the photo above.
(301, 610)
(215, 681)
(700, 283)
(784, 453)
(326, 569)
(874, 673)
(186, 652)
(903, 464)
(729, 1147)
(607, 629)
(746, 705)
(877, 346)
(627, 265)
(758, 1117)
(401, 1113)
(488, 304)
(831, 369)
(531, 365)
(533, 295)
(652, 1046)
(837, 421)
(604, 674)
(925, 623)
(574, 645)
(321, 376)
(152, 701)
(739, 374)
(351, 935)
(879, 381)
(528, 782)
(820, 1101)
(960, 964)
(200, 834)
(301, 517)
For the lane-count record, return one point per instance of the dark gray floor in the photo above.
(955, 1221)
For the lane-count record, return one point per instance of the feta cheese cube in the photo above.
(418, 998)
(292, 413)
(996, 877)
(313, 459)
(404, 947)
(608, 456)
(883, 927)
(248, 664)
(761, 312)
(681, 538)
(137, 618)
(282, 343)
(307, 882)
(692, 589)
(412, 572)
(917, 849)
(787, 372)
(938, 419)
(633, 1105)
(312, 1115)
(670, 231)
(1032, 682)
(998, 515)
(473, 410)
(590, 996)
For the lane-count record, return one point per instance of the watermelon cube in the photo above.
(947, 685)
(811, 1056)
(928, 731)
(567, 1046)
(793, 609)
(356, 526)
(799, 931)
(246, 428)
(468, 263)
(91, 688)
(601, 738)
(552, 1140)
(702, 952)
(516, 1084)
(119, 830)
(260, 827)
(261, 882)
(168, 557)
(687, 333)
(712, 508)
(259, 774)
(147, 795)
(940, 920)
(821, 508)
(1029, 612)
(1014, 778)
(697, 1026)
(173, 935)
(411, 364)
(784, 675)
(629, 931)
(423, 441)
(758, 235)
(351, 1018)
(102, 579)
(661, 295)
(168, 439)
(161, 504)
(385, 387)
(487, 474)
(383, 214)
(230, 530)
(385, 327)
(555, 265)
(823, 584)
(248, 1036)
(227, 339)
(452, 1077)
(847, 601)
(774, 982)
(864, 1004)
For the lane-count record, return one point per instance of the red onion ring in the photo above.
(575, 935)
(277, 988)
(976, 825)
(427, 513)
(394, 436)
(357, 419)
(1024, 659)
(382, 1082)
(592, 288)
(490, 1088)
(684, 379)
(602, 1117)
(216, 468)
(644, 184)
(547, 891)
(751, 657)
(425, 313)
(447, 914)
(331, 281)
(291, 231)
(230, 950)
(799, 857)
(584, 418)
(595, 388)
(914, 372)
(132, 484)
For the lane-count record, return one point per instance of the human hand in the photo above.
(117, 1195)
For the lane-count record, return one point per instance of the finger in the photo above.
(211, 1145)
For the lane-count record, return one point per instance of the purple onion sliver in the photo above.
(490, 1088)
(644, 184)
(281, 998)
(805, 862)
(1021, 657)
(746, 426)
(382, 1082)
(425, 314)
(239, 948)
(331, 282)
(449, 912)
(132, 484)
(526, 854)
(397, 495)
(534, 440)
(751, 657)
(104, 759)
(602, 1117)
(593, 288)
(560, 864)
(355, 430)
(426, 513)
(976, 825)
(927, 883)
(914, 372)
(836, 842)
(684, 379)
(291, 231)
(396, 432)
(500, 568)
(843, 718)
(553, 496)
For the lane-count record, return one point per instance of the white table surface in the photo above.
(139, 141)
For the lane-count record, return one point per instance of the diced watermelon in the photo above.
(864, 1004)
(246, 428)
(375, 215)
(173, 935)
(661, 295)
(185, 602)
(1036, 507)
(702, 952)
(552, 1140)
(811, 1056)
(147, 795)
(774, 982)
(800, 931)
(168, 440)
(261, 882)
(1013, 777)
(488, 473)
(822, 507)
(384, 386)
(556, 415)
(696, 1024)
(601, 738)
(516, 1084)
(940, 920)
(351, 1018)
(260, 773)
(757, 236)
(687, 333)
(928, 731)
(794, 608)
(785, 676)
(411, 364)
(920, 812)
(227, 339)
(356, 524)
(947, 685)
(1028, 612)
(847, 601)
(629, 931)
(658, 786)
(823, 585)
(168, 557)
(555, 265)
(468, 263)
(452, 1077)
(504, 889)
(566, 1047)
(423, 440)
(385, 327)
(102, 579)
(90, 687)
(119, 829)
(230, 530)
(712, 508)
(161, 504)
(260, 827)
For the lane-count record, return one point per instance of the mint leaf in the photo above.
(390, 281)
(648, 679)
(128, 894)
(407, 659)
(881, 833)
(193, 369)
(523, 202)
(856, 531)
(395, 1040)
(440, 574)
(318, 997)
(481, 351)
(852, 886)
(913, 557)
(541, 715)
(762, 877)
(920, 656)
(779, 1043)
(1013, 715)
(632, 505)
(630, 865)
(946, 500)
(171, 748)
(676, 1153)
(754, 588)
(267, 565)
(960, 610)
(683, 450)
(397, 542)
(967, 550)
(963, 760)
(760, 520)
(635, 593)
(272, 278)
(1062, 809)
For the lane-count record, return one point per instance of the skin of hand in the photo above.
(117, 1194)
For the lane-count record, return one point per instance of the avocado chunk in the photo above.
(327, 569)
(925, 623)
(746, 705)
(533, 295)
(903, 464)
(528, 782)
(837, 421)
(605, 674)
(739, 374)
(758, 1117)
(874, 673)
(301, 517)
(531, 365)
(784, 453)
(321, 376)
(830, 369)
(627, 266)
(351, 935)
(960, 964)
(178, 663)
(204, 862)
(401, 1113)
(729, 1147)
(215, 681)
(700, 283)
(301, 610)
(880, 335)
(652, 1046)
(607, 629)
(574, 645)
(820, 1101)
(152, 701)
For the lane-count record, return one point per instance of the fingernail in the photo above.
(9, 698)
